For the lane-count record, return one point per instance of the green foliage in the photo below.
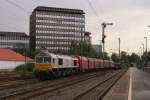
(24, 68)
(24, 50)
(85, 50)
(146, 56)
(134, 58)
(124, 57)
(115, 57)
(106, 57)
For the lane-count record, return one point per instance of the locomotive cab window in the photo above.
(47, 59)
(60, 61)
(75, 63)
(39, 59)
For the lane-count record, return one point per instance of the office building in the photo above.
(12, 39)
(56, 28)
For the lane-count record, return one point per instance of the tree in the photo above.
(124, 57)
(115, 57)
(146, 56)
(24, 50)
(134, 58)
(106, 57)
(84, 49)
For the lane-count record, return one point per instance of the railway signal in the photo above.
(104, 25)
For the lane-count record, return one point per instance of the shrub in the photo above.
(25, 67)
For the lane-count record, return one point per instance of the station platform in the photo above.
(140, 85)
(134, 85)
(120, 90)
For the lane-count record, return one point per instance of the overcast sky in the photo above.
(130, 18)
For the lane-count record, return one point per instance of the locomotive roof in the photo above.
(59, 55)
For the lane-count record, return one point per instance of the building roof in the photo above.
(54, 9)
(10, 55)
(20, 34)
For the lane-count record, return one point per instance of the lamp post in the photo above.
(143, 47)
(139, 52)
(119, 48)
(146, 43)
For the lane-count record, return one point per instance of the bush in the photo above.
(25, 67)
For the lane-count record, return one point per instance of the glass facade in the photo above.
(56, 28)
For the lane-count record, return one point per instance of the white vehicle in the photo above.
(55, 64)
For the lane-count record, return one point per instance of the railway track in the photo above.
(33, 90)
(12, 76)
(12, 79)
(16, 83)
(81, 90)
(54, 91)
(98, 91)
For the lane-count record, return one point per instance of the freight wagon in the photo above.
(49, 64)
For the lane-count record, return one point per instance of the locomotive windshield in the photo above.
(47, 59)
(39, 59)
(43, 59)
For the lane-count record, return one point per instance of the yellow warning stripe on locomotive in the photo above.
(43, 67)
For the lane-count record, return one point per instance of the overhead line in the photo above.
(18, 6)
(90, 4)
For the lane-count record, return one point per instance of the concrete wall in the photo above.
(10, 65)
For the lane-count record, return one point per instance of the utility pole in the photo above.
(146, 49)
(143, 56)
(119, 48)
(143, 47)
(139, 52)
(103, 37)
(146, 44)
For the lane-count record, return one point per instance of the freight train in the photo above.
(51, 65)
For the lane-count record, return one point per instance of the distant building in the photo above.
(97, 48)
(55, 28)
(9, 59)
(12, 39)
